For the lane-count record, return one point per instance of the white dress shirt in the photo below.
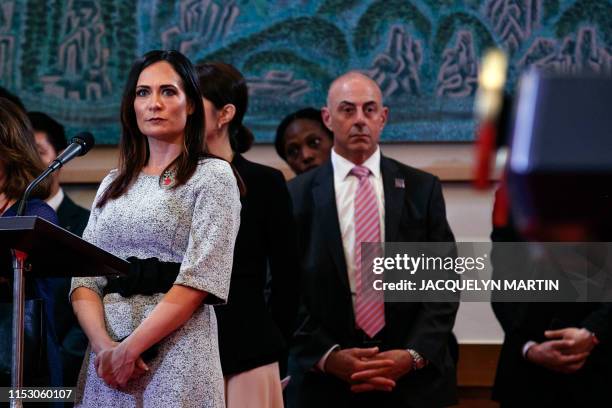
(345, 187)
(55, 201)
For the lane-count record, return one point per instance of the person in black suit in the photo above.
(51, 140)
(554, 354)
(407, 362)
(254, 334)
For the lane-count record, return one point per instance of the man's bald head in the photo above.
(356, 116)
(349, 79)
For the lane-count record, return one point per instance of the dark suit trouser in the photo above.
(325, 391)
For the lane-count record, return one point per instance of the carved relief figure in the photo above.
(397, 69)
(7, 42)
(458, 75)
(200, 23)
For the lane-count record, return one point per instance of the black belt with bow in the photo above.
(146, 277)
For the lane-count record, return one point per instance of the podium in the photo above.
(40, 248)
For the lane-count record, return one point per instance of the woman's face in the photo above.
(160, 103)
(211, 116)
(307, 145)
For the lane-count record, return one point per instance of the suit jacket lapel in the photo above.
(324, 197)
(395, 190)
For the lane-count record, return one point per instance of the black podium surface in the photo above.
(53, 251)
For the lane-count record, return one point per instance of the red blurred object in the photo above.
(485, 151)
(501, 207)
(21, 255)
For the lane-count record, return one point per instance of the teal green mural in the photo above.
(70, 58)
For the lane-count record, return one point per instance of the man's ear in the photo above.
(384, 116)
(326, 116)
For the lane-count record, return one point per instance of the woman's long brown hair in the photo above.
(19, 159)
(133, 146)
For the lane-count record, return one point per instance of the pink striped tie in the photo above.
(369, 303)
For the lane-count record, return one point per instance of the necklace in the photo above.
(168, 178)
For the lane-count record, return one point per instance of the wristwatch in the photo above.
(418, 361)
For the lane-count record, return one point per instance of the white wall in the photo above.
(469, 214)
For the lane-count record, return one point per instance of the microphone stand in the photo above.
(19, 259)
(19, 267)
(81, 144)
(26, 194)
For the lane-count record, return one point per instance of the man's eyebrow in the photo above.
(346, 103)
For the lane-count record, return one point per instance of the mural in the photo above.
(70, 58)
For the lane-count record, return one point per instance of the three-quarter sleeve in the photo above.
(96, 284)
(207, 264)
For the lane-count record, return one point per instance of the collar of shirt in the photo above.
(55, 201)
(342, 166)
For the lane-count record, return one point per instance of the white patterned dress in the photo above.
(195, 224)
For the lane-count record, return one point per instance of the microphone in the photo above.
(79, 145)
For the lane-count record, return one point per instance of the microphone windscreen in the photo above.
(86, 140)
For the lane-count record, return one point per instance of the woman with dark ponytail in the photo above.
(252, 370)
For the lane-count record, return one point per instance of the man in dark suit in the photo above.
(51, 141)
(351, 355)
(554, 354)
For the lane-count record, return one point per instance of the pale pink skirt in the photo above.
(256, 388)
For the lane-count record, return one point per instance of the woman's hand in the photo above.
(116, 366)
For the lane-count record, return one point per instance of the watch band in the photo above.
(418, 361)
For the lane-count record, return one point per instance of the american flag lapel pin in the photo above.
(399, 183)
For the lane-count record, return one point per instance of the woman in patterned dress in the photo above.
(170, 201)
